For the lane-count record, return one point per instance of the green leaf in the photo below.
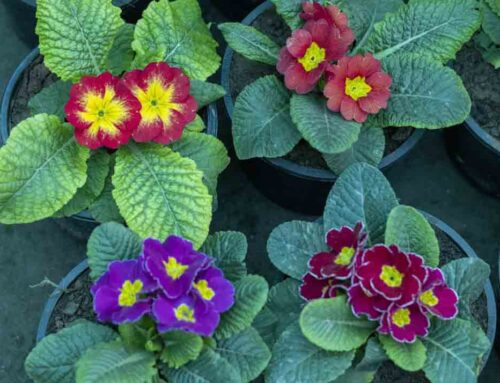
(408, 228)
(454, 351)
(492, 56)
(408, 356)
(160, 193)
(424, 94)
(262, 125)
(209, 154)
(283, 307)
(229, 248)
(467, 277)
(246, 352)
(97, 171)
(494, 5)
(290, 10)
(250, 297)
(180, 348)
(133, 335)
(53, 359)
(177, 29)
(121, 55)
(41, 168)
(326, 131)
(295, 359)
(369, 148)
(331, 325)
(426, 27)
(114, 363)
(111, 242)
(292, 244)
(361, 194)
(196, 126)
(491, 23)
(51, 100)
(75, 36)
(206, 93)
(250, 43)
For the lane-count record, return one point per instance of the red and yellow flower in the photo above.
(404, 324)
(103, 111)
(357, 86)
(315, 288)
(437, 298)
(166, 104)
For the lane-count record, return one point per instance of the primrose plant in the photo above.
(488, 39)
(351, 68)
(366, 286)
(171, 313)
(126, 143)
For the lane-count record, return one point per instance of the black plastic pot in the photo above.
(290, 185)
(236, 10)
(455, 237)
(477, 154)
(211, 118)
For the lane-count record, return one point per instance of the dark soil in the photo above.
(244, 72)
(483, 82)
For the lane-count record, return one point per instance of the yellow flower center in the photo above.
(128, 293)
(103, 112)
(205, 291)
(357, 88)
(401, 317)
(184, 313)
(314, 56)
(429, 299)
(174, 269)
(156, 101)
(391, 276)
(345, 256)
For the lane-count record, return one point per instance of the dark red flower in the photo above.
(315, 288)
(437, 298)
(357, 86)
(404, 324)
(364, 302)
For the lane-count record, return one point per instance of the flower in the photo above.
(316, 288)
(173, 264)
(212, 288)
(306, 55)
(357, 86)
(119, 293)
(187, 313)
(388, 271)
(437, 298)
(345, 244)
(364, 302)
(166, 105)
(103, 111)
(404, 324)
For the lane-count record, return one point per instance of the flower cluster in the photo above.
(384, 283)
(178, 286)
(356, 86)
(153, 104)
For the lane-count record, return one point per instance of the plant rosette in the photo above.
(167, 312)
(488, 38)
(367, 286)
(350, 69)
(119, 133)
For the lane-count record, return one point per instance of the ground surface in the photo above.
(426, 179)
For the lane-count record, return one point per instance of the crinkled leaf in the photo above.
(250, 43)
(53, 359)
(492, 56)
(426, 27)
(495, 6)
(229, 248)
(408, 356)
(292, 244)
(262, 125)
(491, 23)
(104, 208)
(177, 29)
(295, 359)
(133, 335)
(196, 126)
(408, 228)
(41, 168)
(361, 194)
(121, 55)
(51, 100)
(326, 131)
(290, 10)
(180, 348)
(111, 242)
(331, 325)
(160, 193)
(206, 93)
(75, 36)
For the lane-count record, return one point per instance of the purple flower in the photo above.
(188, 313)
(174, 264)
(213, 289)
(119, 294)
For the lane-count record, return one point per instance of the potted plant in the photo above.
(376, 290)
(323, 117)
(118, 133)
(168, 312)
(476, 148)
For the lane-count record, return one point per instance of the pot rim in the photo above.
(486, 139)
